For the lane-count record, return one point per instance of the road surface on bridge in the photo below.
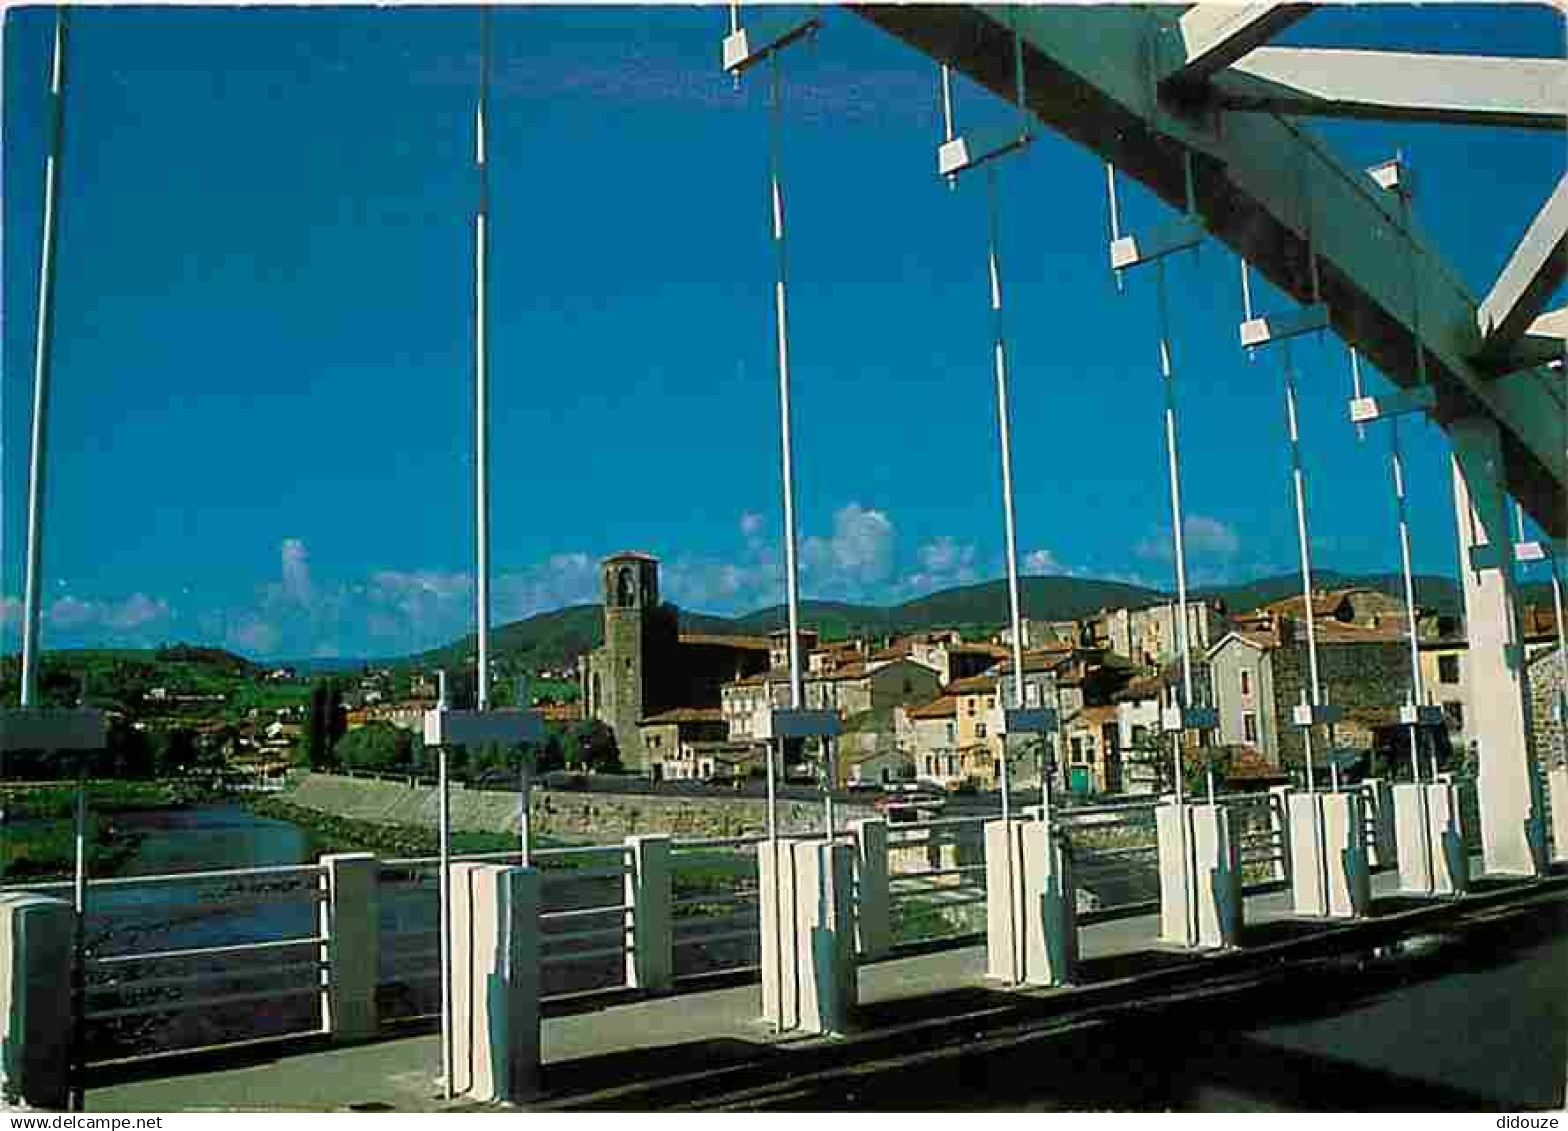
(1475, 1019)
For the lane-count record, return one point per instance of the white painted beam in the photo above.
(1399, 86)
(1262, 182)
(1551, 325)
(1532, 273)
(1214, 36)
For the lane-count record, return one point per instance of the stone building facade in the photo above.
(1152, 635)
(1544, 671)
(646, 665)
(1258, 679)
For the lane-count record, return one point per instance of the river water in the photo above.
(147, 993)
(209, 837)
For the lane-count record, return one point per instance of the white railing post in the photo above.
(36, 935)
(350, 923)
(1279, 828)
(1557, 783)
(650, 882)
(873, 927)
(495, 982)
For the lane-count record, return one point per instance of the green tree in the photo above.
(591, 746)
(376, 746)
(325, 723)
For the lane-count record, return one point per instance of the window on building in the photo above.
(971, 703)
(1448, 670)
(1031, 694)
(1077, 749)
(1140, 734)
(1246, 682)
(979, 730)
(950, 735)
(1454, 714)
(1249, 727)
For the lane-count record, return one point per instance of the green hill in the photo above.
(555, 638)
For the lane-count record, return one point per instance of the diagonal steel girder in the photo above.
(1091, 75)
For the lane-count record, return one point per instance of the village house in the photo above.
(945, 653)
(671, 739)
(1093, 751)
(928, 735)
(1151, 636)
(1259, 678)
(869, 751)
(850, 690)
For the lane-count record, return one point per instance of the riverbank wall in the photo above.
(567, 814)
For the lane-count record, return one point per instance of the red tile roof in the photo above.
(943, 706)
(748, 643)
(684, 715)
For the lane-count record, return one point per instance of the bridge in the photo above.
(1195, 105)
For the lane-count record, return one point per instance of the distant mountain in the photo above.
(556, 638)
(1442, 594)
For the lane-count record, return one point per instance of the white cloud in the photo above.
(10, 610)
(1043, 561)
(119, 619)
(560, 580)
(296, 571)
(1210, 536)
(1206, 539)
(944, 562)
(856, 557)
(750, 524)
(255, 637)
(69, 612)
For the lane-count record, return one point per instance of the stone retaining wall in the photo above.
(568, 814)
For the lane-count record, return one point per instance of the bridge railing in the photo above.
(715, 906)
(205, 958)
(182, 961)
(936, 878)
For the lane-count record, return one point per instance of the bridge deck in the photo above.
(671, 1051)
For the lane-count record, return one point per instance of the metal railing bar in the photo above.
(717, 842)
(582, 913)
(595, 933)
(727, 895)
(582, 956)
(205, 951)
(717, 936)
(958, 871)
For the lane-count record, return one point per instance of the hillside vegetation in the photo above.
(555, 638)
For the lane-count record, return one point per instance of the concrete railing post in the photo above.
(350, 923)
(873, 924)
(495, 982)
(36, 943)
(1328, 856)
(1279, 826)
(650, 886)
(1031, 927)
(1557, 782)
(1200, 876)
(808, 935)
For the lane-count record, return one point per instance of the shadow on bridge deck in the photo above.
(1360, 1016)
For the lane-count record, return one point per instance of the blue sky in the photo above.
(261, 420)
